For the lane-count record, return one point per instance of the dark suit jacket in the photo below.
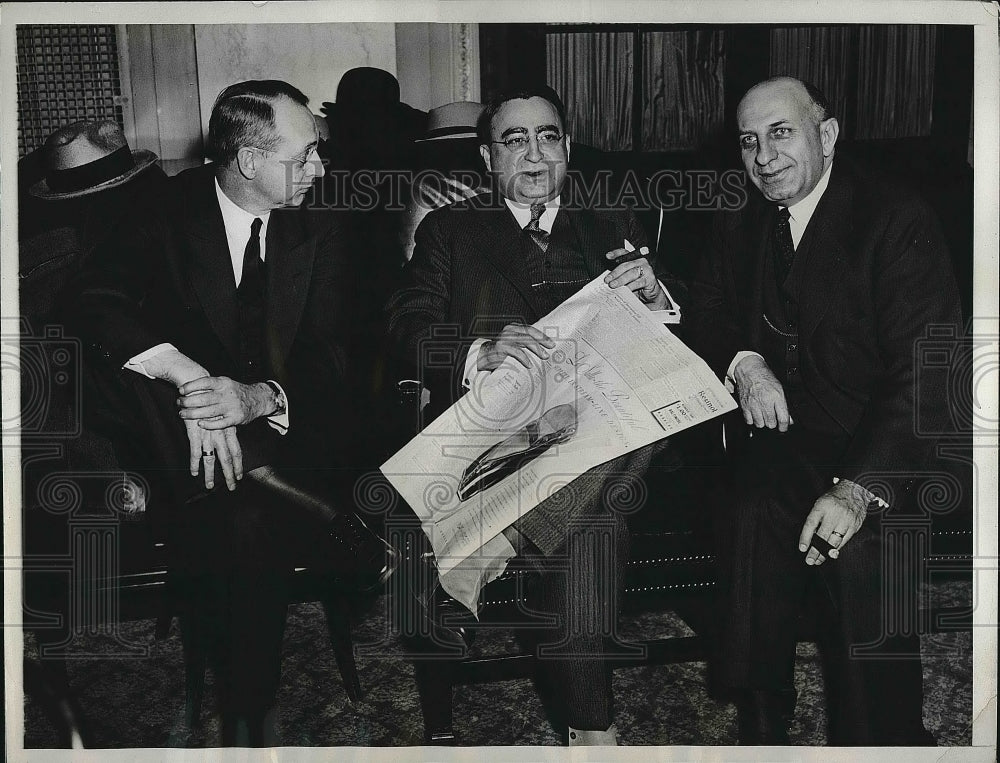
(168, 278)
(467, 280)
(468, 271)
(877, 275)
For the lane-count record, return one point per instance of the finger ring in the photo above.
(837, 533)
(207, 453)
(640, 272)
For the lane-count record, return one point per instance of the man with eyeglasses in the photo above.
(221, 313)
(492, 266)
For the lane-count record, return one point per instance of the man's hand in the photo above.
(761, 396)
(515, 341)
(213, 446)
(218, 402)
(638, 275)
(835, 517)
(173, 366)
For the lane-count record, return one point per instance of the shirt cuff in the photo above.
(136, 363)
(472, 364)
(867, 494)
(279, 421)
(730, 379)
(672, 315)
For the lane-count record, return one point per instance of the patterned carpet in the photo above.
(138, 701)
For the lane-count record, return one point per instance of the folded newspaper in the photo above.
(616, 380)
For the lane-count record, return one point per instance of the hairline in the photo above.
(819, 113)
(522, 94)
(268, 127)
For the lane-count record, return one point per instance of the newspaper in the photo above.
(616, 380)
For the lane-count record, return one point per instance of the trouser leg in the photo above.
(762, 579)
(257, 601)
(869, 635)
(230, 556)
(875, 649)
(582, 587)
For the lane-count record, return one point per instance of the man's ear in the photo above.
(567, 147)
(246, 163)
(829, 129)
(484, 151)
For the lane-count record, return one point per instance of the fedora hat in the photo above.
(88, 157)
(453, 120)
(368, 98)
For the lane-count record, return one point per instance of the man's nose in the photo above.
(765, 153)
(534, 152)
(318, 170)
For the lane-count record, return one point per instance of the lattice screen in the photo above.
(64, 74)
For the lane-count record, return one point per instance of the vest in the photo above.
(780, 340)
(560, 271)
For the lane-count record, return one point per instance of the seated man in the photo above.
(810, 301)
(491, 266)
(220, 312)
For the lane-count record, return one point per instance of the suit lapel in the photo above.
(825, 255)
(761, 238)
(211, 267)
(289, 256)
(504, 245)
(593, 246)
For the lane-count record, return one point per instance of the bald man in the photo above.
(810, 302)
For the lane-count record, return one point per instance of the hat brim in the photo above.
(143, 160)
(455, 136)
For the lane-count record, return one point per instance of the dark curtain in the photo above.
(592, 71)
(895, 81)
(879, 79)
(820, 55)
(682, 88)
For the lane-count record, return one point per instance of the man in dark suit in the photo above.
(489, 267)
(810, 301)
(221, 314)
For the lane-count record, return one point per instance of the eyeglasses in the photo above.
(547, 141)
(299, 161)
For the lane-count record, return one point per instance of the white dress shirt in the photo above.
(238, 221)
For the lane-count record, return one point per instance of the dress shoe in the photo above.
(427, 615)
(255, 730)
(367, 560)
(761, 718)
(445, 618)
(583, 738)
(358, 557)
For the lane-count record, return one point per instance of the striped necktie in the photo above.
(534, 230)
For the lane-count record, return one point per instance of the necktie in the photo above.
(534, 230)
(252, 280)
(783, 240)
(250, 296)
